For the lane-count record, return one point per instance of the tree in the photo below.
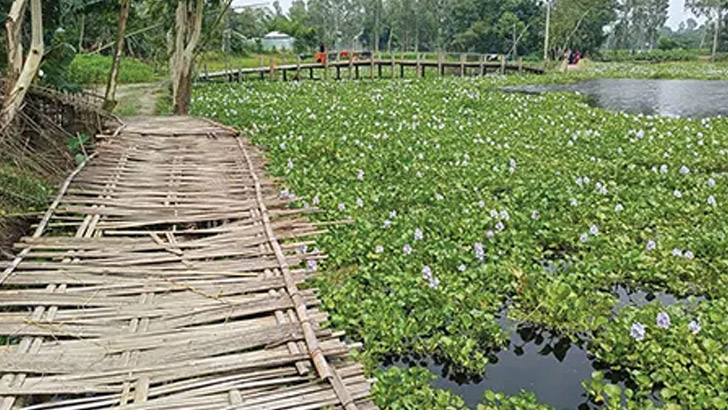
(579, 24)
(21, 74)
(712, 9)
(110, 97)
(187, 31)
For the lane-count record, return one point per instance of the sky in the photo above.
(676, 13)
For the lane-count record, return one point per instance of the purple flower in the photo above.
(494, 214)
(499, 226)
(392, 214)
(663, 320)
(711, 200)
(315, 200)
(342, 207)
(481, 204)
(433, 282)
(504, 215)
(461, 267)
(651, 245)
(584, 237)
(418, 234)
(694, 327)
(684, 170)
(290, 164)
(663, 169)
(359, 202)
(594, 230)
(677, 193)
(689, 255)
(479, 251)
(387, 223)
(677, 252)
(311, 265)
(379, 249)
(360, 175)
(618, 208)
(406, 249)
(489, 233)
(711, 182)
(637, 331)
(535, 215)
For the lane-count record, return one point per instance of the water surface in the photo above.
(675, 98)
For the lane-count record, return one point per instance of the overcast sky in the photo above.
(676, 14)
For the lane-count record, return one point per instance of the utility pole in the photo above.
(546, 33)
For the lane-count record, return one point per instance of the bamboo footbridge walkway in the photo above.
(167, 274)
(375, 67)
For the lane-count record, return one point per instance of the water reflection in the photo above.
(677, 98)
(537, 360)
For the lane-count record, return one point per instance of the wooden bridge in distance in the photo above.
(167, 274)
(375, 68)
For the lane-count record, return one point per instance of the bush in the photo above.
(654, 56)
(94, 69)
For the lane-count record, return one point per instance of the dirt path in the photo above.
(135, 99)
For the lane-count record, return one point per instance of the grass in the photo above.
(20, 191)
(87, 69)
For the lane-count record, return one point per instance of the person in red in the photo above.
(321, 55)
(577, 57)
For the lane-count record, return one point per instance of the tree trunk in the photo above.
(188, 27)
(14, 32)
(81, 34)
(19, 88)
(716, 33)
(110, 97)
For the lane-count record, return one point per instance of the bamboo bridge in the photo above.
(372, 68)
(167, 274)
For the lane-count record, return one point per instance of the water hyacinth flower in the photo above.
(387, 223)
(579, 181)
(360, 175)
(677, 252)
(663, 320)
(418, 234)
(489, 233)
(711, 200)
(594, 230)
(494, 214)
(426, 272)
(461, 267)
(677, 193)
(651, 245)
(618, 208)
(290, 163)
(379, 249)
(689, 255)
(432, 281)
(392, 214)
(481, 204)
(315, 201)
(342, 207)
(637, 331)
(574, 202)
(694, 327)
(684, 170)
(504, 215)
(584, 237)
(406, 249)
(711, 182)
(663, 169)
(479, 251)
(499, 226)
(311, 265)
(535, 215)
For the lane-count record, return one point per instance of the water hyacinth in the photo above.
(663, 320)
(432, 281)
(694, 327)
(461, 267)
(618, 208)
(406, 249)
(341, 207)
(500, 226)
(711, 182)
(651, 245)
(360, 175)
(418, 234)
(637, 331)
(479, 251)
(684, 170)
(311, 265)
(689, 255)
(584, 237)
(711, 200)
(677, 252)
(677, 193)
(379, 249)
(594, 230)
(387, 223)
(535, 215)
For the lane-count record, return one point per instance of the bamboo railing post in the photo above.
(503, 64)
(326, 63)
(298, 68)
(482, 65)
(240, 72)
(440, 71)
(207, 73)
(351, 64)
(520, 64)
(462, 65)
(401, 69)
(417, 65)
(371, 67)
(271, 72)
(391, 54)
(262, 75)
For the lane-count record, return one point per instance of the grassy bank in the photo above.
(88, 69)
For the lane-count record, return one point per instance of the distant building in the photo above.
(275, 40)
